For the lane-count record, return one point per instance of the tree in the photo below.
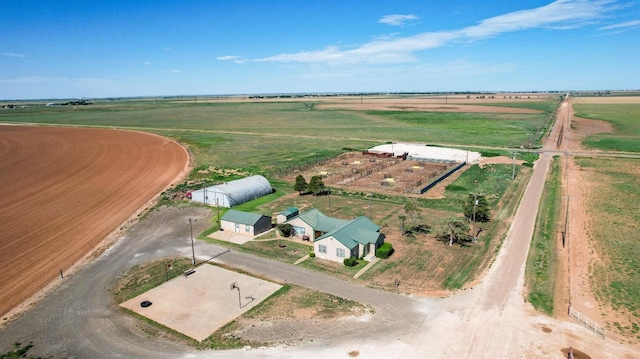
(316, 186)
(301, 184)
(476, 211)
(402, 218)
(411, 212)
(454, 230)
(286, 229)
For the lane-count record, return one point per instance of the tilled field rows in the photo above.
(64, 190)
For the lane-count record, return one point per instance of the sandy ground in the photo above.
(580, 254)
(66, 190)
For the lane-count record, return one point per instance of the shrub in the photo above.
(312, 255)
(350, 262)
(285, 229)
(384, 251)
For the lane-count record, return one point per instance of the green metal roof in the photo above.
(358, 231)
(235, 216)
(320, 222)
(289, 211)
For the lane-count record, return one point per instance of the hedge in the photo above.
(384, 251)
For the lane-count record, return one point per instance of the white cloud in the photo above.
(559, 14)
(397, 20)
(623, 25)
(146, 63)
(175, 70)
(11, 54)
(235, 59)
(227, 58)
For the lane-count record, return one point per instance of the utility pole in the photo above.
(369, 195)
(218, 208)
(473, 222)
(513, 173)
(193, 251)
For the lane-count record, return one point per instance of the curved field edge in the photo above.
(70, 189)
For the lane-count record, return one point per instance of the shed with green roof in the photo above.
(246, 223)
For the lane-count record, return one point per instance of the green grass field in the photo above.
(616, 276)
(623, 117)
(540, 274)
(266, 137)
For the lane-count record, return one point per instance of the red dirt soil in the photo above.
(64, 190)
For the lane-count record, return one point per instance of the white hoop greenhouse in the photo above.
(233, 193)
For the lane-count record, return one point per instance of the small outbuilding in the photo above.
(287, 214)
(240, 222)
(233, 193)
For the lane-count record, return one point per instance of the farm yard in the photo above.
(359, 171)
(328, 141)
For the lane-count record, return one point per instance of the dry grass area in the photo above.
(606, 100)
(413, 105)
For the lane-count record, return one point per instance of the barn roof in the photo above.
(241, 217)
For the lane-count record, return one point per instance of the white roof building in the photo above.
(233, 193)
(423, 152)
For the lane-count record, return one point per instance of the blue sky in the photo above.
(72, 49)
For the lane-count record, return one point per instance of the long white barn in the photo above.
(424, 152)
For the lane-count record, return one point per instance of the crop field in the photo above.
(623, 115)
(65, 190)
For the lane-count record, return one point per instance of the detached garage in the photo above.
(250, 224)
(233, 193)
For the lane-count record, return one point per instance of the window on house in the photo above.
(340, 252)
(322, 249)
(299, 230)
(247, 229)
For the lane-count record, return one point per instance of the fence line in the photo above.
(597, 329)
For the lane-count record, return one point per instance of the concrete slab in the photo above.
(198, 304)
(231, 237)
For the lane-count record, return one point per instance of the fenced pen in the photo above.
(599, 330)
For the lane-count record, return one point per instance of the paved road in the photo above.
(79, 319)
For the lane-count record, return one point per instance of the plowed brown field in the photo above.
(64, 190)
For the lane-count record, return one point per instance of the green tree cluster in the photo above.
(476, 208)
